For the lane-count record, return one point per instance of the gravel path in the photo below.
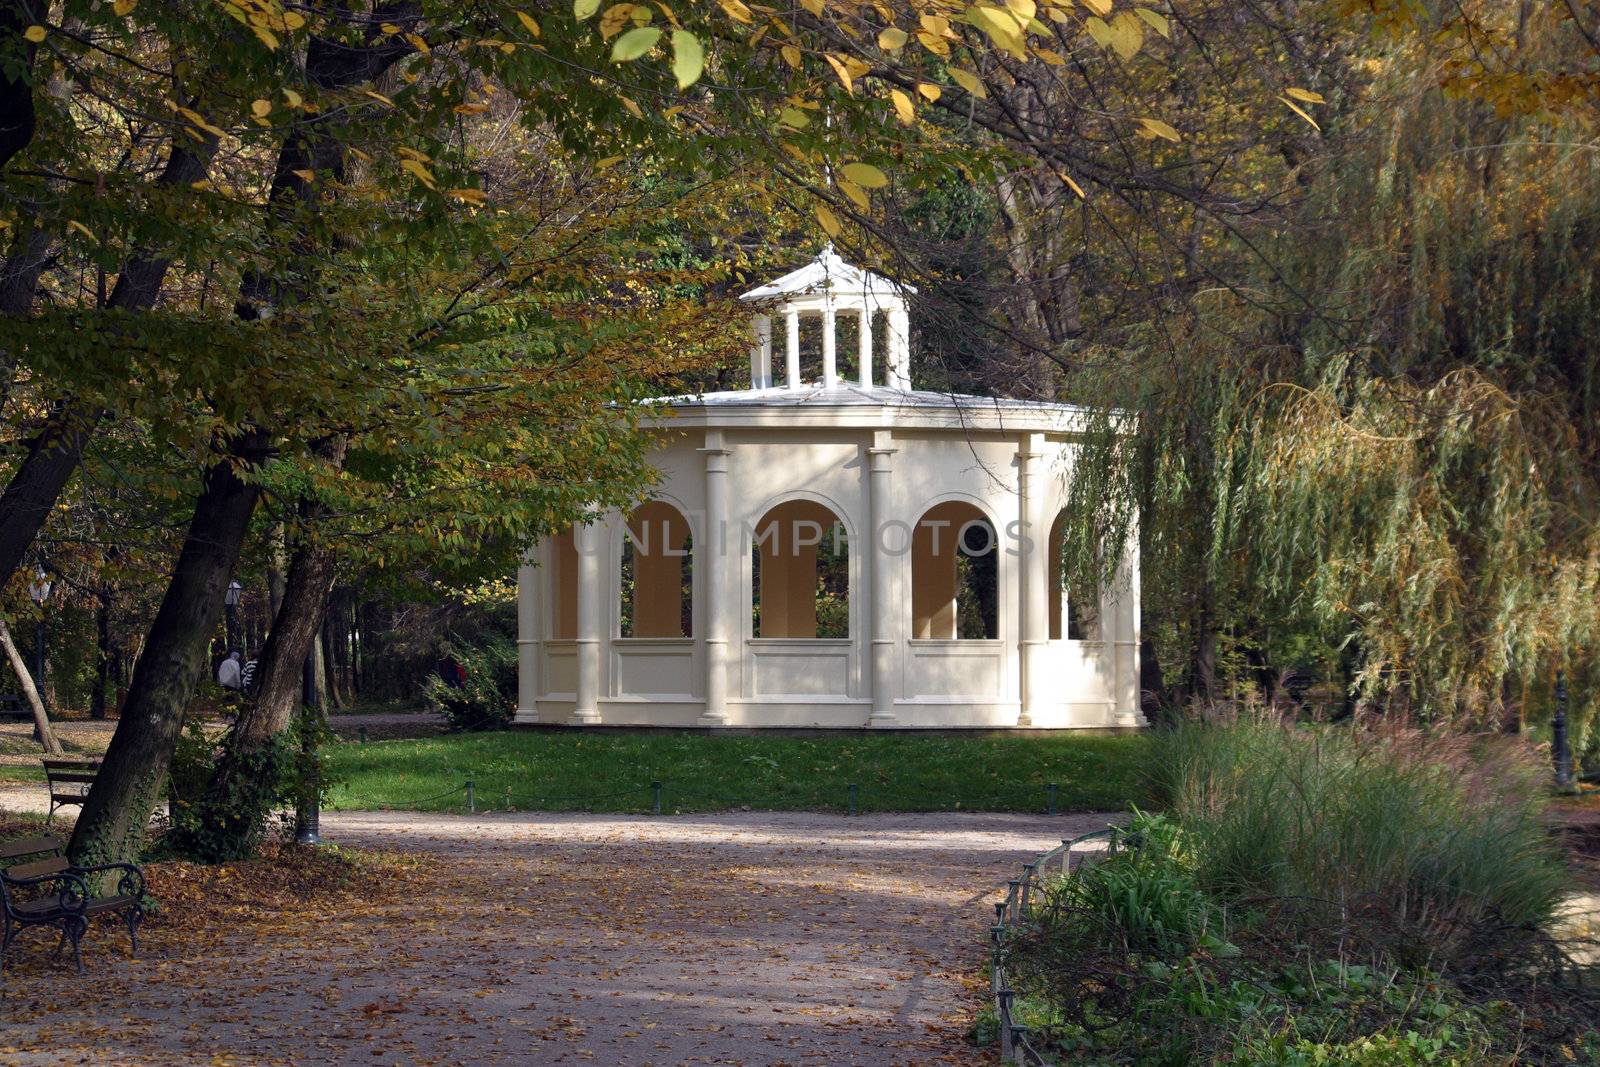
(746, 938)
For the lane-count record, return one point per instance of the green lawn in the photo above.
(710, 772)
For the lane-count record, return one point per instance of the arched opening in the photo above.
(955, 559)
(801, 578)
(657, 573)
(1074, 610)
(564, 580)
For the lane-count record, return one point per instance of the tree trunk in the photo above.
(16, 90)
(41, 722)
(116, 812)
(330, 666)
(288, 643)
(56, 450)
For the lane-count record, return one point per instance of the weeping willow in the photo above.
(1377, 454)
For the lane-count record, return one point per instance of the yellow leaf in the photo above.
(260, 108)
(293, 97)
(929, 91)
(813, 6)
(865, 175)
(1157, 128)
(124, 8)
(791, 55)
(199, 120)
(632, 107)
(1001, 27)
(467, 196)
(36, 34)
(1127, 35)
(970, 82)
(265, 36)
(892, 39)
(583, 9)
(528, 22)
(937, 45)
(1307, 95)
(855, 193)
(1099, 7)
(736, 10)
(608, 162)
(292, 20)
(379, 97)
(688, 58)
(418, 42)
(903, 108)
(936, 25)
(305, 175)
(1298, 110)
(420, 172)
(1023, 9)
(794, 118)
(74, 224)
(829, 221)
(842, 70)
(613, 19)
(1074, 186)
(1098, 29)
(1157, 21)
(389, 28)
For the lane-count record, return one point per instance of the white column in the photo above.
(764, 340)
(528, 586)
(791, 325)
(864, 345)
(760, 351)
(589, 539)
(1126, 617)
(712, 549)
(1034, 577)
(830, 349)
(900, 348)
(881, 562)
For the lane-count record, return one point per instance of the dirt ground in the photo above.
(745, 938)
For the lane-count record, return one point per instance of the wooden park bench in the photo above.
(14, 707)
(70, 778)
(49, 891)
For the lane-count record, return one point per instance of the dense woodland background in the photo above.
(359, 284)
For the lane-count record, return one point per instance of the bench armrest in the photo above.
(73, 896)
(130, 884)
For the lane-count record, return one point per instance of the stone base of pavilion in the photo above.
(834, 715)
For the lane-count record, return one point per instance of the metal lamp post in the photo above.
(230, 601)
(308, 806)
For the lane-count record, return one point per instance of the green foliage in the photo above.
(487, 699)
(1147, 894)
(1313, 897)
(1417, 847)
(701, 772)
(233, 824)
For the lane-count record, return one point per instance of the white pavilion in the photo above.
(835, 550)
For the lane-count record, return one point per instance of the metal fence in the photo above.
(1014, 916)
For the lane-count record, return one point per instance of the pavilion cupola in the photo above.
(827, 288)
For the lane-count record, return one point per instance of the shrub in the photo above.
(487, 698)
(1425, 850)
(1316, 896)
